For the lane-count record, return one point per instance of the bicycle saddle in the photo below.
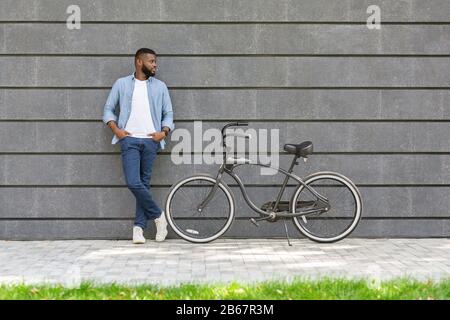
(302, 149)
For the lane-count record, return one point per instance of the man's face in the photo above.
(148, 64)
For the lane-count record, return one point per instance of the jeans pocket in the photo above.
(154, 144)
(122, 143)
(158, 144)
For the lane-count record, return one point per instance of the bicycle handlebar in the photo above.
(233, 124)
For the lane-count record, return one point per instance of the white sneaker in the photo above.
(161, 228)
(138, 235)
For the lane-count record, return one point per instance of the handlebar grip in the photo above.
(241, 124)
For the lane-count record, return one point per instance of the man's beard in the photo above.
(148, 73)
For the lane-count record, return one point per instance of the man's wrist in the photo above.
(166, 131)
(113, 126)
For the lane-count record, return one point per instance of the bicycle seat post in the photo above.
(294, 162)
(286, 179)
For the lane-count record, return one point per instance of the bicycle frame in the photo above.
(228, 169)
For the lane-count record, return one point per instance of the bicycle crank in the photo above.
(271, 217)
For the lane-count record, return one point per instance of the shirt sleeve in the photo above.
(109, 111)
(167, 112)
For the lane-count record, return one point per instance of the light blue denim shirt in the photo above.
(121, 95)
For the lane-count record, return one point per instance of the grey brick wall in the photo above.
(375, 103)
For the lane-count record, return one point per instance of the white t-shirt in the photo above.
(140, 123)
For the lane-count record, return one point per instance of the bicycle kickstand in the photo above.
(287, 233)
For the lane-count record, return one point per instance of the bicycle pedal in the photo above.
(254, 222)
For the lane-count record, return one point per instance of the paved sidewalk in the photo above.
(177, 261)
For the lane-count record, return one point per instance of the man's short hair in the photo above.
(143, 51)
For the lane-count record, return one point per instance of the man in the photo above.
(144, 121)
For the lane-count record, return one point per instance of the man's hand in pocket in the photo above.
(157, 136)
(120, 133)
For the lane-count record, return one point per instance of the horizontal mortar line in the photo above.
(234, 88)
(406, 218)
(262, 55)
(165, 153)
(187, 218)
(256, 120)
(212, 22)
(251, 185)
(310, 120)
(345, 218)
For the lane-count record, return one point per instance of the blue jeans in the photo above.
(138, 155)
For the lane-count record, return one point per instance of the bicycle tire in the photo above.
(355, 220)
(188, 227)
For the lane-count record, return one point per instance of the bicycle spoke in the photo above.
(193, 224)
(336, 221)
(339, 195)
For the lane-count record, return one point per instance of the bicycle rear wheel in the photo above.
(345, 207)
(199, 226)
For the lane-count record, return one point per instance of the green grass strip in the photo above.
(323, 289)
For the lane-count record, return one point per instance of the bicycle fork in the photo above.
(210, 195)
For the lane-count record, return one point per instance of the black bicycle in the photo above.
(325, 206)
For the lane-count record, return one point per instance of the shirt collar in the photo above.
(149, 79)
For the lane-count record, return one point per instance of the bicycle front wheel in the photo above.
(345, 207)
(199, 226)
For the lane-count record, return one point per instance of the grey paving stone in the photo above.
(175, 261)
